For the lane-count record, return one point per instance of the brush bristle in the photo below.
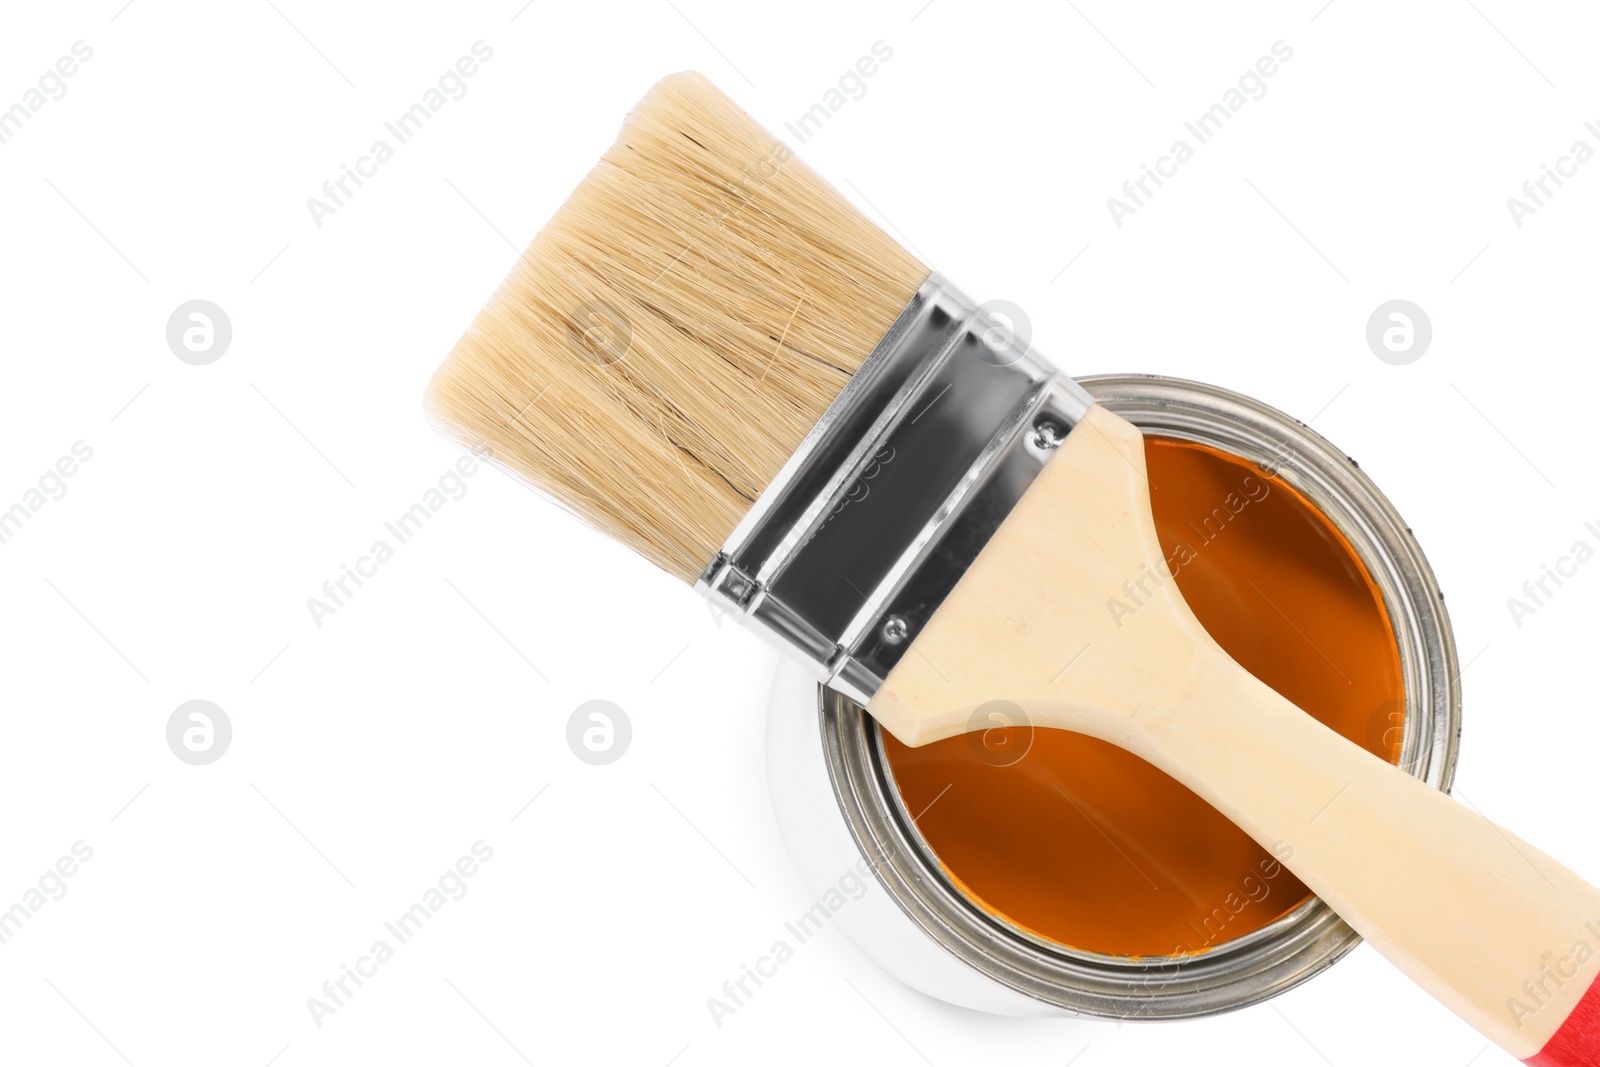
(670, 337)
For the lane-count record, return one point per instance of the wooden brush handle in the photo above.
(1495, 929)
(1499, 932)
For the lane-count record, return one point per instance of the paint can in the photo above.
(840, 806)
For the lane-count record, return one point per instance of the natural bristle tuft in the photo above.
(671, 336)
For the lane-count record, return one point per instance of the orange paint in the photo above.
(1086, 845)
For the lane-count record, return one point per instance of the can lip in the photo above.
(1297, 945)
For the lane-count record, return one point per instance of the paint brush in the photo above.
(711, 356)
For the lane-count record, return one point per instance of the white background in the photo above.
(368, 754)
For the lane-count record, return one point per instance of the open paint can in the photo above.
(1024, 871)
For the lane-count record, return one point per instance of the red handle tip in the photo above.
(1577, 1043)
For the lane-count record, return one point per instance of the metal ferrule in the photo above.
(889, 499)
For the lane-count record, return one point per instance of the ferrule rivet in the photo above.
(895, 629)
(1047, 435)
